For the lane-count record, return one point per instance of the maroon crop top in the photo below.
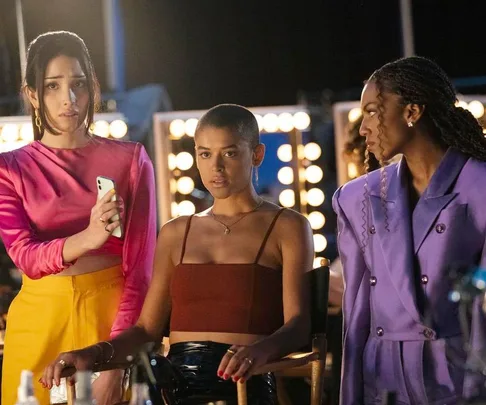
(228, 298)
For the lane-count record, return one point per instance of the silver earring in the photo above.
(410, 124)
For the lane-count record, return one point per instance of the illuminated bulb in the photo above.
(313, 174)
(9, 146)
(270, 122)
(286, 175)
(118, 129)
(476, 108)
(462, 104)
(320, 242)
(315, 197)
(190, 126)
(27, 132)
(171, 160)
(101, 128)
(301, 120)
(185, 185)
(10, 133)
(177, 128)
(285, 122)
(259, 119)
(318, 262)
(312, 151)
(186, 208)
(354, 114)
(184, 161)
(316, 220)
(287, 198)
(352, 170)
(284, 152)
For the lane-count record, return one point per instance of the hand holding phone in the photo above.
(105, 185)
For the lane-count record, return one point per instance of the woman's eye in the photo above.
(204, 155)
(51, 86)
(80, 84)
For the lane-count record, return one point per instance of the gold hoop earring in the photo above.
(37, 121)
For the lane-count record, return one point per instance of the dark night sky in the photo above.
(260, 52)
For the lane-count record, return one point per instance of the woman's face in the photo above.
(394, 130)
(225, 161)
(66, 95)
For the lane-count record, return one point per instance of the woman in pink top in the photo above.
(81, 284)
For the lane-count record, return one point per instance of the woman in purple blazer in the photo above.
(401, 228)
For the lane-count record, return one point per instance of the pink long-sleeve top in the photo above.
(46, 195)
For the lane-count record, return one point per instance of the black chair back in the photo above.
(320, 297)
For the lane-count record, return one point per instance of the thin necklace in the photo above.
(227, 228)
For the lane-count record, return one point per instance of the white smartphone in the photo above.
(104, 184)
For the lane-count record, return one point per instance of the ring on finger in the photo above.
(62, 363)
(231, 351)
(102, 220)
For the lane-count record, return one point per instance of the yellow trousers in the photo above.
(53, 315)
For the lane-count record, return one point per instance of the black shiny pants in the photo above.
(198, 363)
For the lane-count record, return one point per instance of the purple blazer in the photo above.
(388, 345)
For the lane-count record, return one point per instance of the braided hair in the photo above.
(419, 80)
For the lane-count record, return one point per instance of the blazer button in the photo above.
(428, 333)
(373, 281)
(424, 279)
(380, 331)
(372, 229)
(440, 228)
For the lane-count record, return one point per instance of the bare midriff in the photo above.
(228, 338)
(91, 264)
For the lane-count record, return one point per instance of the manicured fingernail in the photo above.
(235, 379)
(226, 376)
(220, 373)
(242, 380)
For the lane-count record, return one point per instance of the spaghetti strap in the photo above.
(269, 231)
(188, 225)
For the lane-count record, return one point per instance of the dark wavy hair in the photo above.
(40, 52)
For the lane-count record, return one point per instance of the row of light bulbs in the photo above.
(12, 133)
(475, 107)
(313, 197)
(284, 122)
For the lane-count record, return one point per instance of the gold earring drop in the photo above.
(37, 120)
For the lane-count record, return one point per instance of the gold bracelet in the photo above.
(112, 350)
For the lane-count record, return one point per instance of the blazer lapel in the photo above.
(396, 242)
(437, 195)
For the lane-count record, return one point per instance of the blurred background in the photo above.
(298, 66)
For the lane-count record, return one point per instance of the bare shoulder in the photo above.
(172, 231)
(292, 224)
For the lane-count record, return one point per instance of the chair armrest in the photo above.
(291, 361)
